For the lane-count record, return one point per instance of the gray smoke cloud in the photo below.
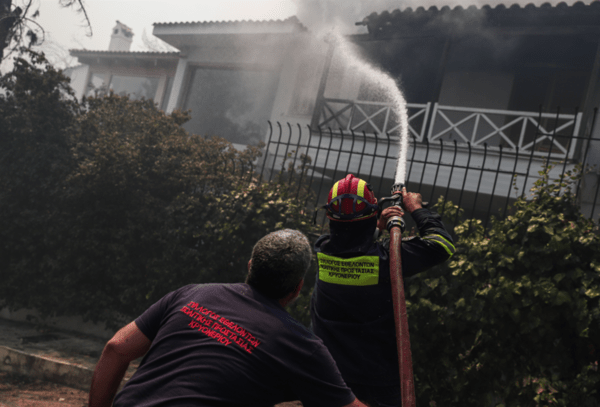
(321, 16)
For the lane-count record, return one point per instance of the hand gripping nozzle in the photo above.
(395, 200)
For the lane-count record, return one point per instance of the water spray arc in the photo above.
(383, 83)
(385, 87)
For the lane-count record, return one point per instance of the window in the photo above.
(230, 103)
(305, 89)
(96, 85)
(167, 95)
(134, 86)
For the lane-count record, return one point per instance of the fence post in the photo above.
(437, 171)
(514, 171)
(462, 190)
(450, 176)
(575, 135)
(424, 125)
(266, 150)
(295, 155)
(479, 183)
(433, 117)
(489, 211)
(304, 160)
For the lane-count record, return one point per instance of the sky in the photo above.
(66, 29)
(66, 26)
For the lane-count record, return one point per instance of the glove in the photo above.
(387, 214)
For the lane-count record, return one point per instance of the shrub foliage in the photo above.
(109, 204)
(514, 318)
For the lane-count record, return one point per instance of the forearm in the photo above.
(128, 344)
(430, 223)
(107, 377)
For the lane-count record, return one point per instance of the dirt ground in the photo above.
(19, 391)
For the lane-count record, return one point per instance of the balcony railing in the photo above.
(540, 133)
(552, 134)
(372, 117)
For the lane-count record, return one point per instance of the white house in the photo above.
(492, 92)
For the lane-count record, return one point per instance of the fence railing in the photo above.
(481, 181)
(539, 132)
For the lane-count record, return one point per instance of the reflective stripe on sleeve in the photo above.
(449, 247)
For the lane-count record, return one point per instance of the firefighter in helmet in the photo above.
(351, 306)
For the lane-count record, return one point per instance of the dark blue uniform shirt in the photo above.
(354, 319)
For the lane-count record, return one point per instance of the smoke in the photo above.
(322, 16)
(339, 17)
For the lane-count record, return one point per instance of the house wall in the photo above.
(479, 89)
(230, 88)
(298, 85)
(590, 193)
(476, 89)
(107, 72)
(279, 71)
(178, 84)
(79, 77)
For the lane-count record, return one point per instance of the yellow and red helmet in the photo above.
(351, 199)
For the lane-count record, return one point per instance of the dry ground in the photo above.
(19, 391)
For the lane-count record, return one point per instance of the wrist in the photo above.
(411, 208)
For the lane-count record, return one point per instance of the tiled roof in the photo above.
(123, 53)
(515, 15)
(293, 20)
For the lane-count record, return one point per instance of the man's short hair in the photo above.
(279, 261)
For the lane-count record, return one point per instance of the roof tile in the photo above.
(290, 20)
(562, 14)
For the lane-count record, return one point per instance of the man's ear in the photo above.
(249, 264)
(297, 290)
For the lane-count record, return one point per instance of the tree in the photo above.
(36, 108)
(8, 20)
(17, 24)
(514, 318)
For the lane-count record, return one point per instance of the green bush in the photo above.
(514, 318)
(117, 204)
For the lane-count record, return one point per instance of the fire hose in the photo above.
(395, 226)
